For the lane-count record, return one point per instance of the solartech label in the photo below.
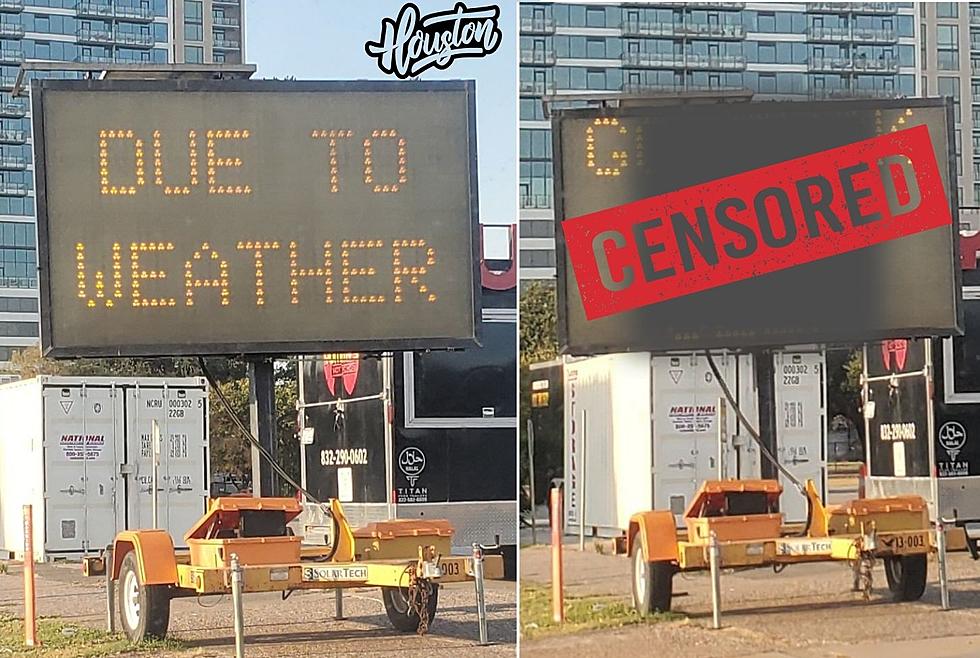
(757, 222)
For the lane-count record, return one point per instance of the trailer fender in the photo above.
(657, 534)
(154, 554)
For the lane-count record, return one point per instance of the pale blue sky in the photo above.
(324, 40)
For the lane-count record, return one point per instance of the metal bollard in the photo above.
(557, 575)
(110, 593)
(237, 585)
(714, 559)
(30, 595)
(941, 555)
(339, 600)
(481, 604)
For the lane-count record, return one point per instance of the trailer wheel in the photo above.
(400, 614)
(653, 583)
(906, 576)
(143, 609)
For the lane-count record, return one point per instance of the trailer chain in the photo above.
(865, 567)
(418, 600)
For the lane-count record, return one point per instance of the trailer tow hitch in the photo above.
(420, 587)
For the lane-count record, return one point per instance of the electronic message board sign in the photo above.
(754, 224)
(237, 217)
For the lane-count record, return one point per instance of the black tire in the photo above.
(906, 576)
(401, 616)
(653, 582)
(144, 610)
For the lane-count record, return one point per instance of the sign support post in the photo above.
(262, 418)
(765, 383)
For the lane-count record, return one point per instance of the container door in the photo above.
(82, 453)
(800, 426)
(685, 433)
(182, 480)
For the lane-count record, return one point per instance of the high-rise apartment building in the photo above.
(949, 34)
(88, 32)
(780, 51)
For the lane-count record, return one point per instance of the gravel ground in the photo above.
(302, 625)
(807, 610)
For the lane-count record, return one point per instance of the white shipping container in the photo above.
(643, 431)
(79, 450)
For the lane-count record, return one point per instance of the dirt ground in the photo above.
(302, 625)
(807, 611)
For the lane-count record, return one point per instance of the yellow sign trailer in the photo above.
(737, 518)
(407, 559)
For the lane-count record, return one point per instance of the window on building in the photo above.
(767, 22)
(194, 54)
(947, 10)
(18, 305)
(923, 48)
(947, 48)
(193, 10)
(949, 86)
(193, 32)
(595, 17)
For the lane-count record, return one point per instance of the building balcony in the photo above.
(847, 65)
(653, 60)
(851, 8)
(13, 162)
(730, 6)
(864, 65)
(537, 87)
(93, 9)
(226, 21)
(11, 56)
(134, 39)
(680, 60)
(828, 34)
(873, 8)
(538, 25)
(94, 36)
(872, 35)
(709, 31)
(13, 110)
(141, 14)
(94, 59)
(12, 6)
(536, 201)
(13, 136)
(11, 30)
(822, 94)
(716, 62)
(538, 56)
(648, 29)
(226, 44)
(12, 189)
(681, 30)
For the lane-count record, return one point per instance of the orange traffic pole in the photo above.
(557, 575)
(30, 598)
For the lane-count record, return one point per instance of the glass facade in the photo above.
(570, 51)
(86, 32)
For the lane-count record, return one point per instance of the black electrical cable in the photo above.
(266, 454)
(758, 439)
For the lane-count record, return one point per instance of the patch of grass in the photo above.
(582, 613)
(61, 639)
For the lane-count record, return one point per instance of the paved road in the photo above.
(807, 611)
(301, 626)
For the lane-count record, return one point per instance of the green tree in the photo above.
(539, 342)
(539, 337)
